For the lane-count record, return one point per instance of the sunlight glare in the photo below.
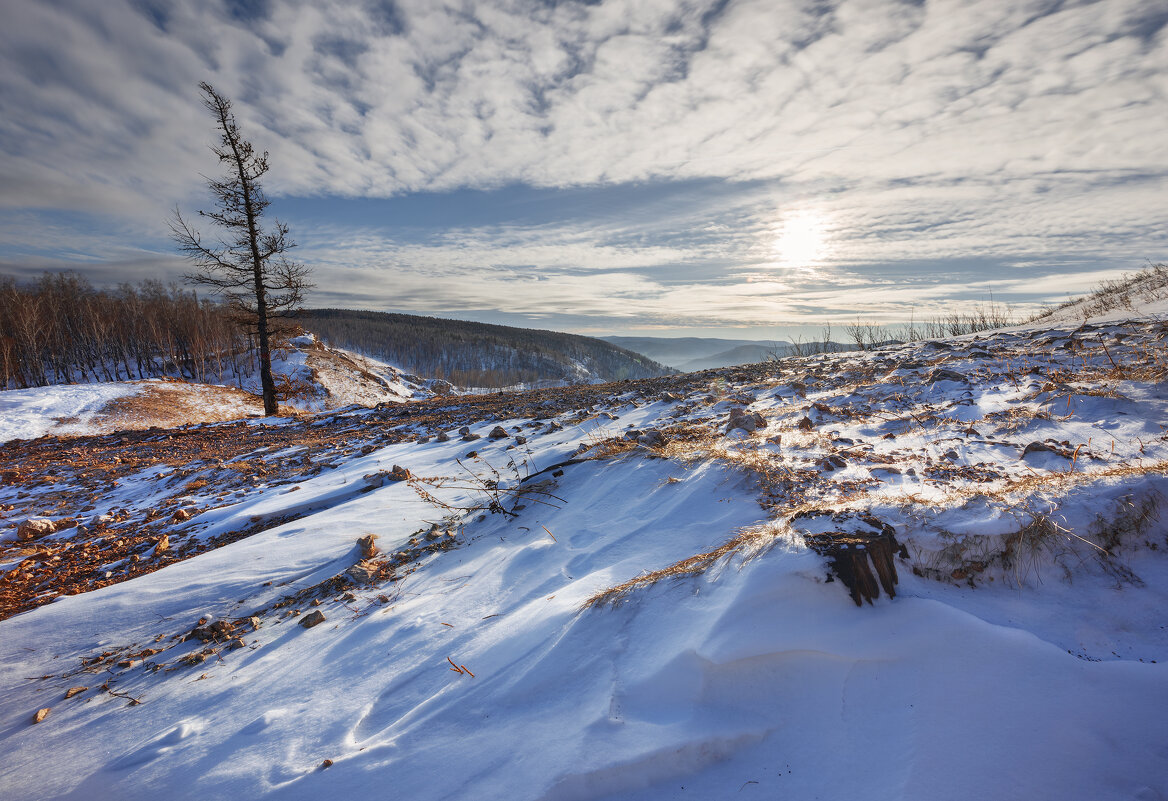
(801, 239)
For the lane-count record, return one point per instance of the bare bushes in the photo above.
(1148, 284)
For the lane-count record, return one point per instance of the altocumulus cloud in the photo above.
(997, 141)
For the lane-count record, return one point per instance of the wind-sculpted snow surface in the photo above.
(622, 595)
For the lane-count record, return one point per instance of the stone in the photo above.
(368, 546)
(442, 437)
(399, 473)
(35, 528)
(163, 545)
(498, 432)
(40, 715)
(362, 573)
(313, 618)
(941, 374)
(806, 425)
(520, 439)
(72, 691)
(652, 439)
(180, 516)
(744, 420)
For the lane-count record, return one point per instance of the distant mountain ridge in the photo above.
(688, 354)
(472, 354)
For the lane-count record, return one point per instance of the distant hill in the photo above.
(699, 353)
(478, 354)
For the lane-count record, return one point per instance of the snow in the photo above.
(31, 413)
(757, 678)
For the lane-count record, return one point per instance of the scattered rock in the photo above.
(399, 473)
(163, 545)
(520, 439)
(830, 463)
(72, 691)
(442, 437)
(467, 436)
(368, 449)
(313, 618)
(40, 715)
(328, 763)
(180, 516)
(806, 424)
(498, 432)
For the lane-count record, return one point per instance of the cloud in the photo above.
(1028, 132)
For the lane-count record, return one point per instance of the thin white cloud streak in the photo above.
(519, 91)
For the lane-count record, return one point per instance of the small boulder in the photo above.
(652, 439)
(181, 516)
(520, 439)
(806, 425)
(313, 618)
(34, 528)
(442, 437)
(368, 546)
(399, 473)
(747, 421)
(498, 432)
(362, 573)
(40, 715)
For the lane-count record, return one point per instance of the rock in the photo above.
(368, 449)
(313, 618)
(40, 715)
(442, 437)
(180, 516)
(368, 546)
(362, 573)
(830, 463)
(806, 425)
(72, 691)
(652, 439)
(1037, 447)
(747, 421)
(498, 432)
(941, 374)
(163, 545)
(328, 763)
(399, 473)
(520, 439)
(35, 528)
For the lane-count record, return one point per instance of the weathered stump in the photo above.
(861, 547)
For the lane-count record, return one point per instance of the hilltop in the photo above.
(472, 354)
(636, 590)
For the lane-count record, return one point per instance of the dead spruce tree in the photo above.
(246, 265)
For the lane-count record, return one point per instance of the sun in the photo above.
(801, 239)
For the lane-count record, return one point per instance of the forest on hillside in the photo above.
(59, 329)
(477, 354)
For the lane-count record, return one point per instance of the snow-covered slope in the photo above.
(617, 597)
(309, 377)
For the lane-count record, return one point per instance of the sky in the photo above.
(738, 168)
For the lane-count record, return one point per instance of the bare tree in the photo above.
(246, 265)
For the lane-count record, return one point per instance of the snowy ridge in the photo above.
(615, 596)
